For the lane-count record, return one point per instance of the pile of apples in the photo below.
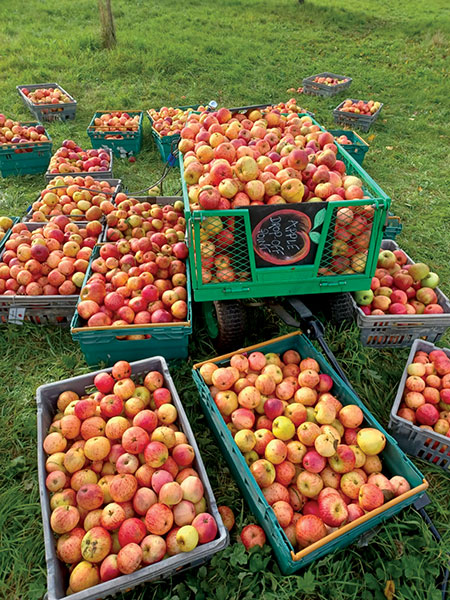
(68, 196)
(426, 397)
(140, 281)
(360, 107)
(46, 96)
(5, 225)
(132, 218)
(169, 120)
(316, 462)
(343, 140)
(399, 288)
(12, 132)
(328, 80)
(123, 491)
(234, 161)
(71, 158)
(247, 160)
(116, 121)
(51, 260)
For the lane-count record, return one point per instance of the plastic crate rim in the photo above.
(366, 517)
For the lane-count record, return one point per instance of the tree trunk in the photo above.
(107, 24)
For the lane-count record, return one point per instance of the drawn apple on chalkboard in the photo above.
(283, 237)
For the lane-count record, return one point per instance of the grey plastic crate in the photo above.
(399, 331)
(46, 398)
(321, 89)
(117, 183)
(40, 310)
(363, 122)
(428, 445)
(161, 200)
(49, 112)
(101, 175)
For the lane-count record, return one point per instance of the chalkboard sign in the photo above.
(285, 235)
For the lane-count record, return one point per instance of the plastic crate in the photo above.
(244, 109)
(393, 227)
(5, 238)
(116, 183)
(49, 112)
(321, 89)
(40, 310)
(26, 158)
(363, 122)
(161, 200)
(102, 175)
(46, 398)
(102, 344)
(131, 141)
(286, 280)
(428, 445)
(167, 144)
(357, 149)
(395, 462)
(399, 331)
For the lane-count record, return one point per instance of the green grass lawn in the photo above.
(237, 53)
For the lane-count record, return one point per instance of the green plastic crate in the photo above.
(168, 143)
(35, 160)
(286, 280)
(122, 148)
(357, 149)
(5, 238)
(101, 345)
(393, 227)
(394, 460)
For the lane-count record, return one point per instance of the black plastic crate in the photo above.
(363, 122)
(322, 89)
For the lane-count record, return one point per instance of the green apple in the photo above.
(364, 298)
(386, 259)
(431, 280)
(154, 191)
(419, 271)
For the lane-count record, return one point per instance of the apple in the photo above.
(252, 535)
(364, 298)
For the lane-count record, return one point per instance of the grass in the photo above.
(236, 53)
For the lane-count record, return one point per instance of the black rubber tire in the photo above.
(341, 309)
(231, 321)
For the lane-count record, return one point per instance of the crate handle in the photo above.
(331, 283)
(231, 290)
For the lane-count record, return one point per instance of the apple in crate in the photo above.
(107, 518)
(399, 288)
(310, 454)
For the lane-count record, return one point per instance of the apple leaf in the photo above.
(319, 218)
(315, 237)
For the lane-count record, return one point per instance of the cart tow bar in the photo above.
(315, 330)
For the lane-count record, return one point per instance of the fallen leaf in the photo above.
(389, 147)
(371, 137)
(419, 188)
(411, 118)
(389, 590)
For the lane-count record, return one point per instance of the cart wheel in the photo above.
(225, 322)
(341, 308)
